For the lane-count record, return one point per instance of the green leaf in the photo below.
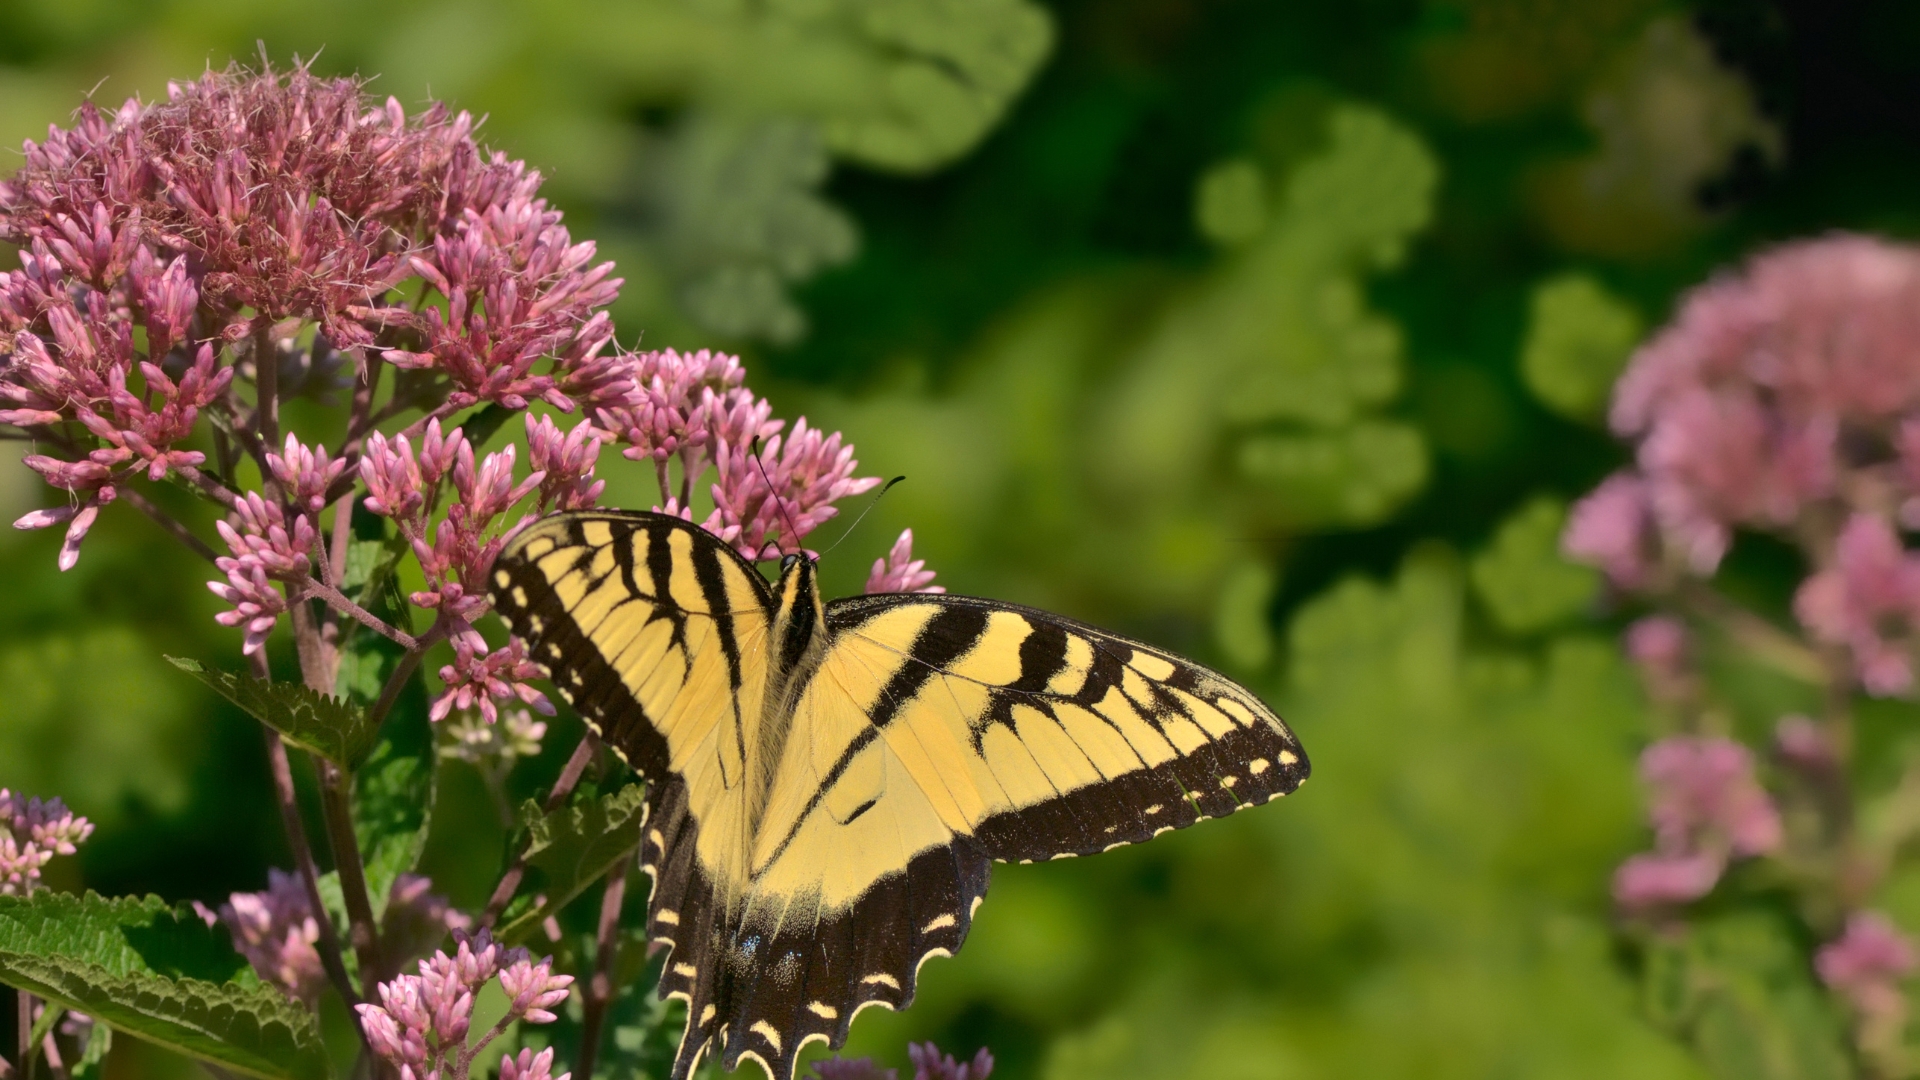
(572, 847)
(906, 85)
(1578, 338)
(1522, 580)
(393, 790)
(393, 797)
(328, 727)
(158, 973)
(94, 1057)
(734, 212)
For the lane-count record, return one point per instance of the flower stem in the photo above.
(171, 524)
(24, 1017)
(563, 787)
(600, 987)
(339, 602)
(361, 929)
(266, 384)
(309, 874)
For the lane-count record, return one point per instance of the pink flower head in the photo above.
(1867, 963)
(417, 918)
(278, 934)
(1612, 528)
(32, 832)
(530, 1066)
(1705, 795)
(477, 679)
(930, 1064)
(1869, 601)
(566, 463)
(780, 493)
(900, 571)
(533, 989)
(305, 473)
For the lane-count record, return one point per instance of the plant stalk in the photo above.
(309, 873)
(362, 931)
(600, 987)
(563, 787)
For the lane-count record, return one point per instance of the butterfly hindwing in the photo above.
(823, 813)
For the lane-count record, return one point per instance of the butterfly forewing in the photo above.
(931, 736)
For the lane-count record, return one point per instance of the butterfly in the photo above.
(829, 783)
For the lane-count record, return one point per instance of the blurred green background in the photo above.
(1278, 333)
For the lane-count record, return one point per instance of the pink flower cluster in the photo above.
(235, 211)
(1867, 963)
(1706, 806)
(421, 1024)
(32, 832)
(772, 487)
(456, 552)
(1778, 399)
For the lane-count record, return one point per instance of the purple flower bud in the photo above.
(32, 832)
(533, 989)
(305, 474)
(530, 1066)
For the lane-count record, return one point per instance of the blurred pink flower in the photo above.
(1869, 601)
(277, 932)
(1867, 963)
(1705, 805)
(1800, 742)
(1704, 794)
(1612, 528)
(1658, 645)
(1653, 880)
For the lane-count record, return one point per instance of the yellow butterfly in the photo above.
(829, 782)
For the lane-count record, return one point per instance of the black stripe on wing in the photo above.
(1247, 765)
(526, 598)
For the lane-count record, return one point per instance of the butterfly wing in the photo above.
(656, 632)
(939, 734)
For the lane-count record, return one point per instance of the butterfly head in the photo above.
(797, 624)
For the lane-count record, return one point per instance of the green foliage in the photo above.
(1521, 578)
(393, 797)
(328, 727)
(1737, 987)
(737, 217)
(160, 974)
(572, 848)
(1579, 336)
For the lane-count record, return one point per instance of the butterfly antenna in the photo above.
(863, 514)
(775, 496)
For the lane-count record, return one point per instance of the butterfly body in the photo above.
(829, 783)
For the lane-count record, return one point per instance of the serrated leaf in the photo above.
(572, 847)
(328, 727)
(158, 973)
